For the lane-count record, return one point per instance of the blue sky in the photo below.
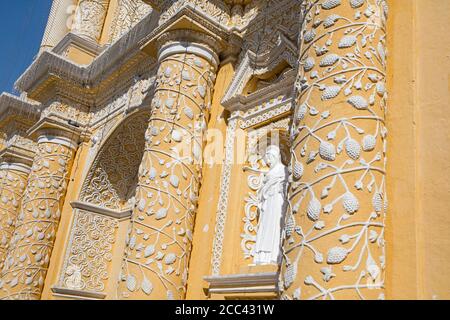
(22, 24)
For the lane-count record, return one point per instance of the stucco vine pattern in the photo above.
(12, 185)
(128, 14)
(159, 241)
(334, 244)
(89, 18)
(29, 253)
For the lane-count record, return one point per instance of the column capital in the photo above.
(188, 41)
(16, 166)
(58, 131)
(19, 152)
(188, 21)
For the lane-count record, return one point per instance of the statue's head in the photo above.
(273, 155)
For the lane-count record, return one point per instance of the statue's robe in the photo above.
(272, 197)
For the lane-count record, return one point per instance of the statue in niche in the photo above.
(271, 207)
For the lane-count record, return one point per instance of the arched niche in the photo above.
(275, 133)
(112, 178)
(103, 203)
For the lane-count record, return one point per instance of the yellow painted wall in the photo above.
(200, 261)
(418, 226)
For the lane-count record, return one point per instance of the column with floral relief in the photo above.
(159, 241)
(13, 179)
(334, 230)
(28, 256)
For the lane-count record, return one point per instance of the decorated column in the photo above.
(13, 179)
(28, 257)
(89, 19)
(159, 241)
(334, 244)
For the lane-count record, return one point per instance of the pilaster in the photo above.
(90, 18)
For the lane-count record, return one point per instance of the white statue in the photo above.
(272, 205)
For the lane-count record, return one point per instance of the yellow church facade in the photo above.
(230, 149)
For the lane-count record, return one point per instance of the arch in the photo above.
(112, 178)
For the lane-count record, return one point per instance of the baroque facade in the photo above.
(146, 152)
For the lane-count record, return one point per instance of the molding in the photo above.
(70, 293)
(17, 155)
(74, 40)
(243, 283)
(53, 130)
(91, 83)
(124, 214)
(183, 47)
(13, 105)
(21, 167)
(64, 141)
(188, 18)
(251, 65)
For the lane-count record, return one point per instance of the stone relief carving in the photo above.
(67, 111)
(215, 9)
(90, 251)
(266, 20)
(12, 185)
(222, 209)
(159, 239)
(132, 98)
(89, 18)
(128, 14)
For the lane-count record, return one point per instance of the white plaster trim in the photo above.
(125, 214)
(189, 47)
(70, 143)
(222, 206)
(16, 167)
(80, 42)
(19, 105)
(77, 293)
(244, 283)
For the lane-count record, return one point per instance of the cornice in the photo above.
(18, 154)
(72, 39)
(117, 214)
(251, 65)
(189, 19)
(53, 126)
(15, 107)
(52, 73)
